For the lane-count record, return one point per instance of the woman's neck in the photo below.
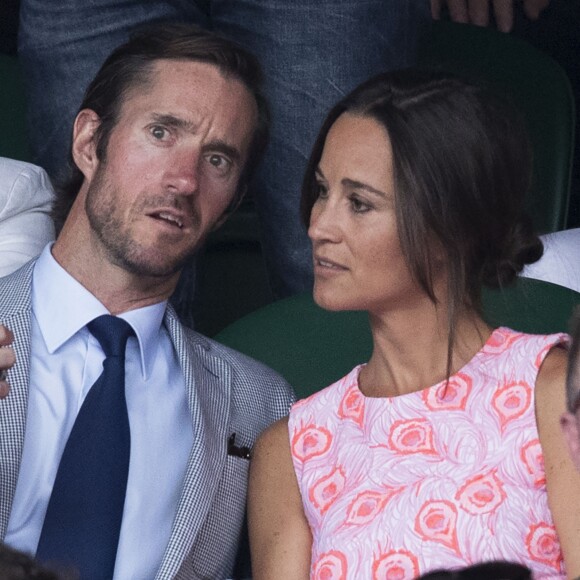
(411, 349)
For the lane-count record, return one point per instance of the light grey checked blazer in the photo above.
(227, 393)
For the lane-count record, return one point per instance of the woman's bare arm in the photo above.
(280, 539)
(562, 478)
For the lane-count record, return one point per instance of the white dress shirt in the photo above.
(65, 362)
(26, 197)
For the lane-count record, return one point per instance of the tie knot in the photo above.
(112, 333)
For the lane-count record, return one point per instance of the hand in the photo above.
(7, 358)
(477, 11)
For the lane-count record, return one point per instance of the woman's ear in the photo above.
(84, 147)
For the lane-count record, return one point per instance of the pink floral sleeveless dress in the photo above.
(441, 478)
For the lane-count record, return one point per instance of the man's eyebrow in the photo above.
(173, 121)
(220, 146)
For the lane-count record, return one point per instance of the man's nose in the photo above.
(183, 172)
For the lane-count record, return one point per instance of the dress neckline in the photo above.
(495, 337)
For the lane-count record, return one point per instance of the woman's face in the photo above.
(358, 262)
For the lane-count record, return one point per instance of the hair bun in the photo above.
(522, 247)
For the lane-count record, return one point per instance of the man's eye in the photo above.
(219, 162)
(158, 132)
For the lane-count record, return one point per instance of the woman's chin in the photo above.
(331, 301)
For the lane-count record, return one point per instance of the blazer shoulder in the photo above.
(241, 361)
(246, 370)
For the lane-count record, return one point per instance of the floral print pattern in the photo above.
(448, 476)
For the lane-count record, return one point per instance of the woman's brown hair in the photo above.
(462, 167)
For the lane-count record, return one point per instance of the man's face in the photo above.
(570, 421)
(172, 167)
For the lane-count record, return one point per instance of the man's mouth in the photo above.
(169, 218)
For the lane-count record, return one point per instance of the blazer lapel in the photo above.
(208, 385)
(15, 301)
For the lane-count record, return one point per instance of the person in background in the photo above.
(125, 437)
(26, 197)
(570, 420)
(444, 449)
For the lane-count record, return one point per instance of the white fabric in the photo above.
(26, 196)
(66, 360)
(560, 263)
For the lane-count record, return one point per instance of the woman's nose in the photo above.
(324, 224)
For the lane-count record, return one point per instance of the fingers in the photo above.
(458, 11)
(504, 14)
(7, 358)
(533, 8)
(6, 336)
(436, 9)
(478, 11)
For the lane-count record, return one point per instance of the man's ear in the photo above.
(572, 436)
(84, 147)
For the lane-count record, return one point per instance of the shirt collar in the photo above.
(62, 307)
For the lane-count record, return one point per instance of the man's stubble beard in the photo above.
(115, 236)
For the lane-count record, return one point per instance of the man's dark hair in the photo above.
(462, 166)
(129, 67)
(573, 375)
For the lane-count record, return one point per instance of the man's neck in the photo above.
(118, 290)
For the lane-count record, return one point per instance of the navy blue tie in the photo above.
(83, 520)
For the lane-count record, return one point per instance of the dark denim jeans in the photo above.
(312, 52)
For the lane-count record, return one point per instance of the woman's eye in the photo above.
(359, 206)
(322, 191)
